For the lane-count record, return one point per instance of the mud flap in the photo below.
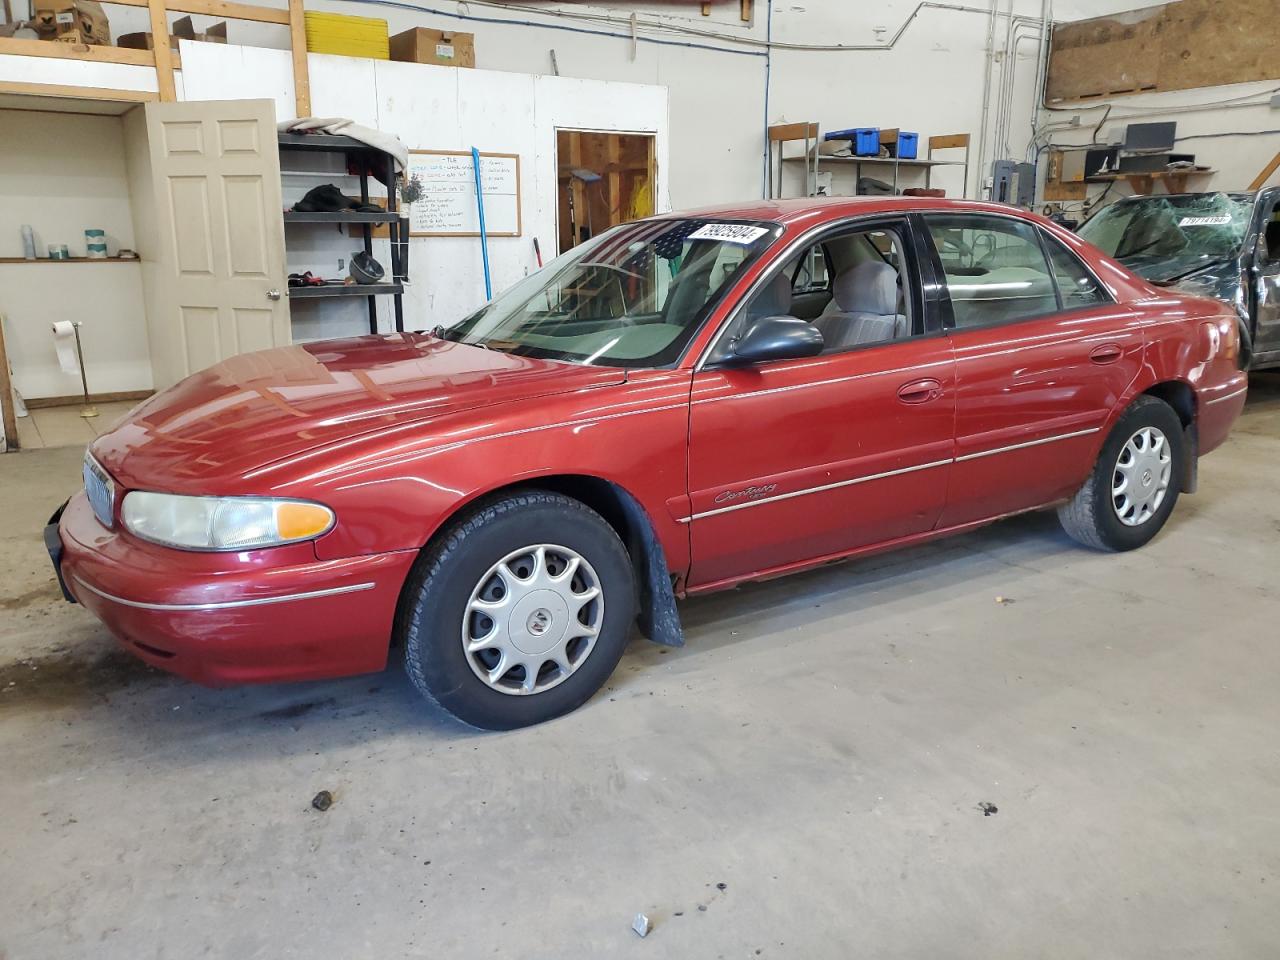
(658, 619)
(1191, 474)
(53, 544)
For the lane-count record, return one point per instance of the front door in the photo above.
(1042, 357)
(794, 461)
(218, 244)
(1266, 284)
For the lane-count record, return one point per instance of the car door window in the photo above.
(810, 284)
(811, 272)
(1076, 285)
(866, 292)
(995, 269)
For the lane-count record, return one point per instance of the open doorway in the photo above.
(603, 179)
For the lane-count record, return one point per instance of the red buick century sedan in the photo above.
(676, 406)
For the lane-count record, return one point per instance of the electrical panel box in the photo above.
(1013, 183)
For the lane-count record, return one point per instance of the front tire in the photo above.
(1134, 484)
(520, 611)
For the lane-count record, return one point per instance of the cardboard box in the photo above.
(85, 19)
(442, 47)
(182, 29)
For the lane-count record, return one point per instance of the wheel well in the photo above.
(1177, 395)
(658, 618)
(603, 497)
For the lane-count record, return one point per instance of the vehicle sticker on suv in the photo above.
(1204, 221)
(729, 233)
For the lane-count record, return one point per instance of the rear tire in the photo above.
(1134, 484)
(519, 612)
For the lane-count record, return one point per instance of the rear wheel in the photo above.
(1135, 483)
(520, 612)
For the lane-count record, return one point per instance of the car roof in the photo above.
(811, 210)
(1242, 194)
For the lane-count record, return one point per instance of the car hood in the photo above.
(1167, 269)
(204, 433)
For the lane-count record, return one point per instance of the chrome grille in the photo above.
(100, 490)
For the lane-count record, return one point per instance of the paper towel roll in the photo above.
(64, 341)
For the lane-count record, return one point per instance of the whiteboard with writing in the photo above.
(448, 204)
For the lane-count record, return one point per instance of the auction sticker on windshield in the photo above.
(729, 233)
(1204, 221)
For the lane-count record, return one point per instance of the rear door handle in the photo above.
(1107, 353)
(920, 391)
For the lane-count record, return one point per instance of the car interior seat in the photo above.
(864, 308)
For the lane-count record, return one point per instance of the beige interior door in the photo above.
(218, 277)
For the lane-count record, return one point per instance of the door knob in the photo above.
(273, 294)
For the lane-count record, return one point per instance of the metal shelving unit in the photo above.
(367, 156)
(813, 158)
(344, 290)
(894, 162)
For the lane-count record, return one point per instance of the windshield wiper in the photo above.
(1205, 265)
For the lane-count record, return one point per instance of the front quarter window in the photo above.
(631, 297)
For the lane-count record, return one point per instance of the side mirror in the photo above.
(775, 338)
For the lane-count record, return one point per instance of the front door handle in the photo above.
(273, 294)
(1107, 353)
(920, 391)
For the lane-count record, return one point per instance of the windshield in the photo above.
(1207, 226)
(631, 297)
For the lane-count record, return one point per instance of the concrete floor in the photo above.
(821, 748)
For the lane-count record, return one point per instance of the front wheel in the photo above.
(520, 612)
(1135, 482)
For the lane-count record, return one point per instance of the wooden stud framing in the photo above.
(76, 51)
(82, 93)
(1266, 173)
(298, 41)
(162, 57)
(219, 8)
(163, 52)
(9, 415)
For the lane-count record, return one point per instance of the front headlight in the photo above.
(222, 523)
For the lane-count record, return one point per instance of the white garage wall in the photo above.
(433, 108)
(916, 65)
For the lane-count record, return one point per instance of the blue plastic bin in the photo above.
(908, 145)
(865, 141)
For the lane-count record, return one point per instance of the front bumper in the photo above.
(222, 618)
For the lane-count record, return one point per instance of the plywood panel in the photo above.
(1210, 42)
(1105, 56)
(1176, 46)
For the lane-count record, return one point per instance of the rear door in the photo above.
(1043, 354)
(796, 460)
